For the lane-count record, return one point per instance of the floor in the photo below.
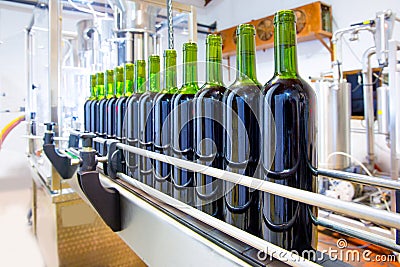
(18, 246)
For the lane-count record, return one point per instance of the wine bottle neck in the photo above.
(118, 82)
(170, 71)
(119, 89)
(214, 60)
(154, 73)
(245, 60)
(93, 89)
(140, 76)
(285, 49)
(190, 68)
(100, 85)
(109, 84)
(128, 78)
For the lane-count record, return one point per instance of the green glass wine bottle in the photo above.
(119, 110)
(289, 155)
(242, 136)
(162, 123)
(109, 89)
(208, 132)
(93, 107)
(182, 126)
(129, 71)
(89, 102)
(101, 105)
(110, 105)
(146, 129)
(132, 118)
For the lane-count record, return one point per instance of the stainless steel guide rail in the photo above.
(381, 217)
(251, 240)
(361, 179)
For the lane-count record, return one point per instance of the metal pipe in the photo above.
(394, 121)
(361, 179)
(337, 47)
(251, 240)
(363, 235)
(351, 209)
(102, 159)
(54, 64)
(369, 104)
(192, 24)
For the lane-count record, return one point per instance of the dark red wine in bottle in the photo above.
(89, 102)
(162, 123)
(112, 99)
(146, 125)
(182, 126)
(242, 136)
(208, 131)
(289, 156)
(93, 106)
(132, 119)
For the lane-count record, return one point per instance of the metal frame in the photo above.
(394, 120)
(149, 230)
(351, 209)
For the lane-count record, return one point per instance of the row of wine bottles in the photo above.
(267, 132)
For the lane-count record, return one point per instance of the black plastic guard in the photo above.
(116, 159)
(61, 162)
(106, 201)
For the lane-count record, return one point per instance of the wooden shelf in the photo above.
(314, 28)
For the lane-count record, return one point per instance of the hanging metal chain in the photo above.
(170, 26)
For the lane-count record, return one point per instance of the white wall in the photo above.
(313, 58)
(14, 18)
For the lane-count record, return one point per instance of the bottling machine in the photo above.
(87, 211)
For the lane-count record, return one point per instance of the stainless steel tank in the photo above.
(96, 48)
(334, 114)
(137, 28)
(85, 30)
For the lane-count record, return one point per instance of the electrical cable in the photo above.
(9, 127)
(377, 78)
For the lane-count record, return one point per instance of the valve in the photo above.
(49, 134)
(87, 153)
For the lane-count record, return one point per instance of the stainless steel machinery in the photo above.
(139, 221)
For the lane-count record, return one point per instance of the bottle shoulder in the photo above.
(278, 85)
(190, 88)
(148, 96)
(163, 97)
(134, 98)
(180, 98)
(211, 91)
(247, 90)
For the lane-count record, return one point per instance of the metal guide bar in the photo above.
(361, 234)
(251, 240)
(385, 218)
(361, 179)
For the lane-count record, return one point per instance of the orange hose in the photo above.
(9, 127)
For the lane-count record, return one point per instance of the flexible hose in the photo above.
(9, 127)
